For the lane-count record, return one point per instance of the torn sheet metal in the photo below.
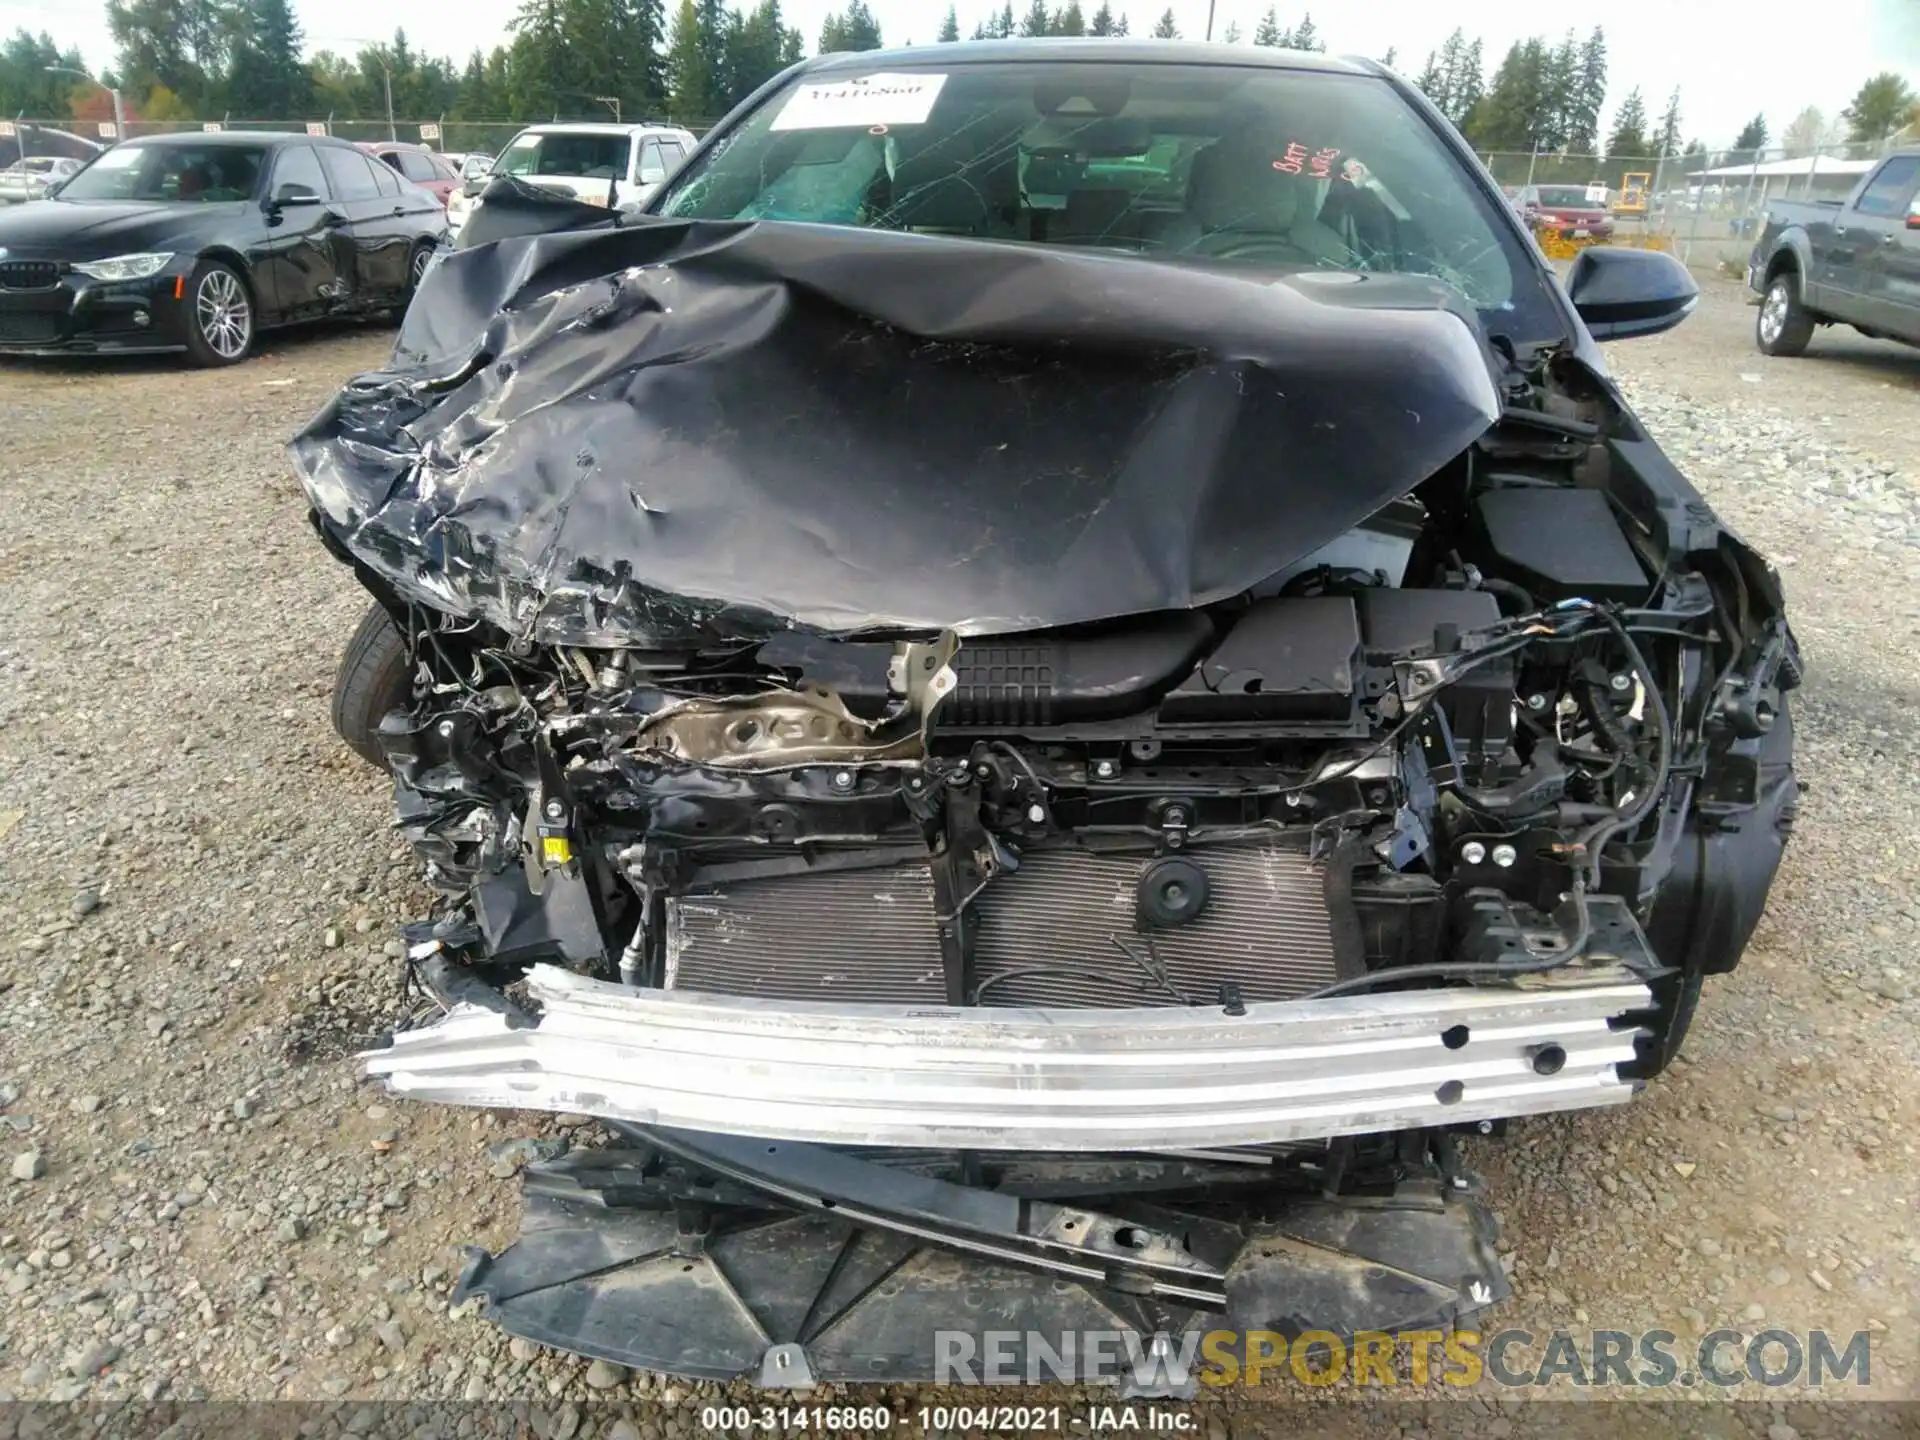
(1029, 1079)
(654, 432)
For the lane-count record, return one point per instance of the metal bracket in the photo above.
(785, 1367)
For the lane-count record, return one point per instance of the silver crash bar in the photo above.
(1014, 1079)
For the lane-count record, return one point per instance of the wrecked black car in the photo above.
(1039, 687)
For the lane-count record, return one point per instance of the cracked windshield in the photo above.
(1277, 170)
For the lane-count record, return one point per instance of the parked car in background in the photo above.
(199, 242)
(468, 164)
(31, 178)
(431, 172)
(1854, 261)
(1573, 211)
(618, 166)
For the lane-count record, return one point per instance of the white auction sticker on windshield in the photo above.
(869, 100)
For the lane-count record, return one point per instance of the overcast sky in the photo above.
(1724, 54)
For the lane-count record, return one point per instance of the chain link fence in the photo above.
(1707, 207)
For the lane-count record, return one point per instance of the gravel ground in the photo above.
(198, 890)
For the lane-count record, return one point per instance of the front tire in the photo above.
(417, 264)
(375, 677)
(1783, 325)
(220, 315)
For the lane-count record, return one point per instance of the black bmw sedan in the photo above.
(200, 242)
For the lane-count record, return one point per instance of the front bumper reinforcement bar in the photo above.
(1029, 1079)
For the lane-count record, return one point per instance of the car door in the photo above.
(356, 191)
(386, 238)
(299, 266)
(1845, 266)
(1894, 285)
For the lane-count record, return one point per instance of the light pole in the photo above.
(119, 107)
(1210, 19)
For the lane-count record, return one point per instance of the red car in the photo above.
(422, 166)
(1564, 208)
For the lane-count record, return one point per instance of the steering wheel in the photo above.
(1255, 246)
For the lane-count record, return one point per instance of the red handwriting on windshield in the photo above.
(1299, 160)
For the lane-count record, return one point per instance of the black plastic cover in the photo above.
(1479, 704)
(649, 433)
(1559, 543)
(1056, 679)
(1289, 661)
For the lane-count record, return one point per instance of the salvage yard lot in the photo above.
(199, 891)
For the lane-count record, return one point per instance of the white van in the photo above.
(618, 166)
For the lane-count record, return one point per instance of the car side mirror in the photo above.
(294, 193)
(1620, 293)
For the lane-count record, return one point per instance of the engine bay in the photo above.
(1459, 743)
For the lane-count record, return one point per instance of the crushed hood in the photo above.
(646, 433)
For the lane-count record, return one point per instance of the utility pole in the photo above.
(1210, 5)
(613, 103)
(387, 70)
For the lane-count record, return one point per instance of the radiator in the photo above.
(1059, 931)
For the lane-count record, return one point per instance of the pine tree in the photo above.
(1102, 23)
(1120, 25)
(1431, 82)
(267, 79)
(1628, 138)
(950, 27)
(1164, 28)
(1305, 36)
(1068, 20)
(1583, 128)
(1231, 35)
(1469, 85)
(1560, 97)
(1669, 140)
(1037, 20)
(1753, 135)
(854, 29)
(1266, 30)
(1392, 54)
(690, 78)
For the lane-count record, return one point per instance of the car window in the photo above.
(1887, 192)
(672, 153)
(651, 165)
(349, 175)
(388, 182)
(1573, 197)
(1264, 167)
(413, 164)
(588, 157)
(298, 165)
(442, 167)
(175, 172)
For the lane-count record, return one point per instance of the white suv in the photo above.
(614, 165)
